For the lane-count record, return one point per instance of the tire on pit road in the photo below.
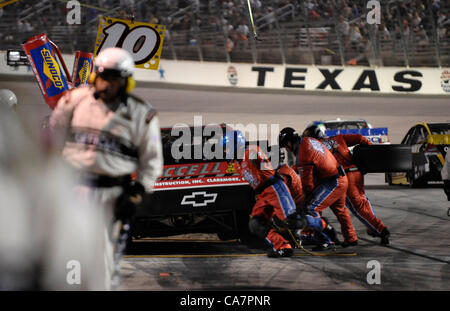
(242, 233)
(245, 235)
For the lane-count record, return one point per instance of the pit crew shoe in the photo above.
(305, 237)
(346, 244)
(324, 247)
(329, 230)
(385, 234)
(284, 252)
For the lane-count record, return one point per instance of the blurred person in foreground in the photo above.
(8, 99)
(45, 228)
(445, 173)
(108, 134)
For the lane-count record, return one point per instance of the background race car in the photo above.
(429, 144)
(353, 126)
(196, 195)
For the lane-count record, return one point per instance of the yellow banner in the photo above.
(144, 41)
(3, 3)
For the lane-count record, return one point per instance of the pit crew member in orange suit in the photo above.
(294, 183)
(273, 198)
(324, 184)
(357, 200)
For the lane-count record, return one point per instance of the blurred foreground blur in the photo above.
(50, 238)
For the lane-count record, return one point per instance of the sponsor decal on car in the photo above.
(199, 199)
(209, 174)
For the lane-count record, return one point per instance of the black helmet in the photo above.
(313, 131)
(288, 134)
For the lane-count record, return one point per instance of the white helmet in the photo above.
(8, 98)
(115, 59)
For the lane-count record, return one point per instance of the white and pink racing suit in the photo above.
(110, 144)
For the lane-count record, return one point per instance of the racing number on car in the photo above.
(144, 41)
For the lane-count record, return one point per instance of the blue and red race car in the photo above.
(353, 126)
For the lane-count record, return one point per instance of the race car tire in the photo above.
(245, 236)
(416, 183)
(228, 232)
(227, 235)
(388, 179)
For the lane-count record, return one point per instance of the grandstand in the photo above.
(320, 32)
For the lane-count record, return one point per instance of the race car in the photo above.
(429, 144)
(196, 195)
(353, 126)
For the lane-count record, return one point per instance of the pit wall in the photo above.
(353, 79)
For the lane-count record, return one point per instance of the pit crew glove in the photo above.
(295, 221)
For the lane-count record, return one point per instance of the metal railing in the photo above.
(304, 41)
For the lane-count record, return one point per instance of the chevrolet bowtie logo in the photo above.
(197, 199)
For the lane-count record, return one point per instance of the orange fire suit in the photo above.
(273, 196)
(293, 183)
(356, 200)
(323, 186)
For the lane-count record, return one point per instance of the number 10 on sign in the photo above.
(144, 41)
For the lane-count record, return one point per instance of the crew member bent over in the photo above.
(324, 185)
(273, 199)
(357, 200)
(307, 236)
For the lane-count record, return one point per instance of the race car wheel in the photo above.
(226, 235)
(228, 231)
(416, 183)
(245, 235)
(388, 179)
(448, 212)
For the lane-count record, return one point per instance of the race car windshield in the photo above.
(441, 128)
(346, 125)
